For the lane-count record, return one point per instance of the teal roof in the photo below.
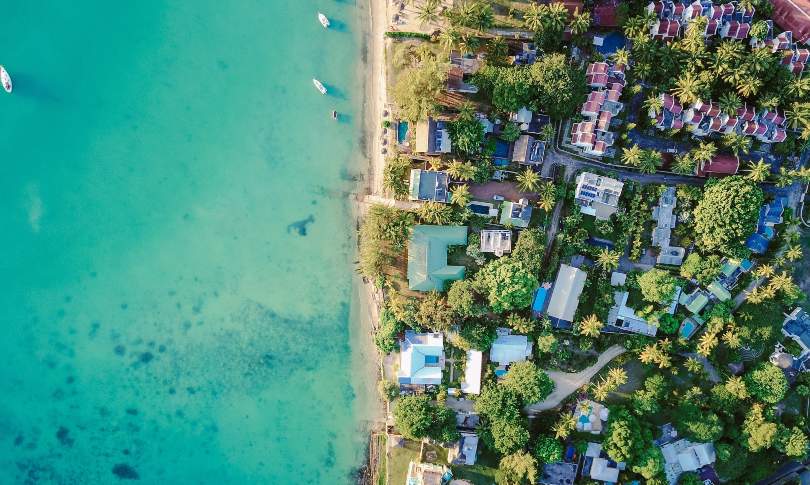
(717, 290)
(427, 256)
(516, 214)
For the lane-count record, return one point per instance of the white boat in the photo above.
(319, 85)
(323, 20)
(5, 79)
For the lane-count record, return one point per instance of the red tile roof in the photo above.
(605, 15)
(793, 15)
(721, 164)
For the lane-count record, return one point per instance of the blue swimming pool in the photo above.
(611, 43)
(539, 300)
(687, 329)
(402, 132)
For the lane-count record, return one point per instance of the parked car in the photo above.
(497, 197)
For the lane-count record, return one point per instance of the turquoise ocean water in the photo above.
(176, 243)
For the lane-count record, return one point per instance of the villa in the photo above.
(463, 451)
(429, 185)
(528, 150)
(427, 256)
(720, 165)
(599, 466)
(684, 456)
(516, 214)
(593, 135)
(496, 241)
(432, 137)
(508, 348)
(421, 358)
(694, 302)
(623, 319)
(427, 474)
(565, 296)
(769, 216)
(598, 196)
(796, 326)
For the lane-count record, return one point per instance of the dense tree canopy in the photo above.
(548, 449)
(727, 214)
(530, 249)
(767, 383)
(703, 269)
(418, 88)
(466, 132)
(434, 312)
(517, 469)
(528, 382)
(698, 424)
(624, 438)
(509, 284)
(416, 417)
(657, 286)
(386, 335)
(463, 299)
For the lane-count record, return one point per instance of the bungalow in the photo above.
(522, 117)
(769, 216)
(432, 137)
(623, 319)
(597, 195)
(590, 416)
(427, 474)
(694, 302)
(516, 214)
(496, 241)
(427, 256)
(732, 270)
(599, 466)
(421, 358)
(429, 185)
(463, 451)
(455, 82)
(719, 291)
(666, 219)
(508, 349)
(472, 373)
(684, 456)
(565, 296)
(735, 30)
(528, 150)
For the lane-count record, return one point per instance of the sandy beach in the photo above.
(377, 90)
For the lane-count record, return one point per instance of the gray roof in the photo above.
(429, 185)
(565, 294)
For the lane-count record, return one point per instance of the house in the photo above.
(455, 82)
(560, 473)
(694, 302)
(528, 150)
(720, 165)
(472, 373)
(421, 358)
(427, 256)
(432, 137)
(565, 296)
(599, 466)
(623, 319)
(732, 270)
(666, 219)
(509, 348)
(735, 30)
(516, 214)
(665, 30)
(684, 456)
(463, 451)
(796, 326)
(496, 241)
(719, 292)
(590, 416)
(426, 474)
(597, 195)
(793, 15)
(617, 278)
(522, 117)
(468, 63)
(429, 185)
(526, 56)
(769, 216)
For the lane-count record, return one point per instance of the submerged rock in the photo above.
(125, 472)
(301, 226)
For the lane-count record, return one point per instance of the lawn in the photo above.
(398, 459)
(483, 472)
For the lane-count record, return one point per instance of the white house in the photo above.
(421, 358)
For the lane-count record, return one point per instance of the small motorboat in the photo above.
(334, 114)
(319, 86)
(323, 20)
(5, 79)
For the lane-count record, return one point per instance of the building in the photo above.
(599, 466)
(593, 135)
(565, 296)
(463, 451)
(694, 302)
(793, 15)
(455, 82)
(472, 373)
(684, 456)
(732, 270)
(427, 474)
(560, 473)
(720, 165)
(432, 137)
(508, 348)
(769, 216)
(528, 150)
(597, 195)
(796, 326)
(421, 358)
(623, 319)
(468, 63)
(665, 218)
(427, 256)
(429, 185)
(496, 241)
(590, 416)
(516, 214)
(674, 18)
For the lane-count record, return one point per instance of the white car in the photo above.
(497, 197)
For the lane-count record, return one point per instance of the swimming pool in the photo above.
(687, 329)
(402, 132)
(539, 300)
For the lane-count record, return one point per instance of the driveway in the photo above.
(566, 383)
(714, 376)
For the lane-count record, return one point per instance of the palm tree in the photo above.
(732, 339)
(793, 253)
(533, 17)
(759, 171)
(785, 178)
(555, 17)
(607, 260)
(769, 102)
(590, 326)
(759, 29)
(484, 16)
(497, 48)
(564, 426)
(617, 376)
(449, 38)
(428, 12)
(547, 132)
(435, 213)
(684, 164)
(687, 88)
(704, 153)
(460, 196)
(798, 115)
(737, 143)
(632, 156)
(454, 169)
(580, 23)
(749, 86)
(546, 202)
(707, 343)
(528, 180)
(692, 365)
(764, 271)
(650, 162)
(729, 102)
(654, 104)
(621, 56)
(799, 87)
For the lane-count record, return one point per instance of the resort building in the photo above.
(429, 185)
(463, 451)
(427, 474)
(793, 15)
(528, 150)
(508, 348)
(565, 296)
(427, 256)
(598, 465)
(593, 135)
(597, 195)
(674, 18)
(796, 327)
(516, 214)
(684, 456)
(522, 117)
(769, 216)
(472, 372)
(496, 241)
(665, 218)
(432, 137)
(623, 319)
(421, 358)
(720, 165)
(590, 416)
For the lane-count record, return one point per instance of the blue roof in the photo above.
(757, 243)
(799, 327)
(746, 265)
(774, 210)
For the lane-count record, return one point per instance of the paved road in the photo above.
(566, 383)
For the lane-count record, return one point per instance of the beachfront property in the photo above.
(684, 456)
(509, 348)
(432, 137)
(565, 296)
(516, 214)
(598, 195)
(497, 241)
(590, 416)
(665, 219)
(528, 150)
(769, 216)
(472, 372)
(429, 185)
(463, 451)
(598, 465)
(427, 474)
(623, 319)
(421, 358)
(427, 256)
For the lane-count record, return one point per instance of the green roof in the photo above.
(427, 256)
(719, 291)
(698, 301)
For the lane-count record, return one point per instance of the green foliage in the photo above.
(647, 400)
(547, 343)
(698, 424)
(689, 478)
(509, 285)
(727, 214)
(407, 35)
(731, 461)
(463, 299)
(548, 449)
(383, 234)
(668, 324)
(530, 249)
(395, 176)
(657, 286)
(650, 463)
(385, 338)
(404, 309)
(792, 442)
(388, 389)
(624, 438)
(466, 133)
(416, 418)
(704, 270)
(767, 383)
(476, 334)
(528, 382)
(434, 312)
(511, 132)
(758, 432)
(504, 429)
(507, 436)
(418, 88)
(517, 469)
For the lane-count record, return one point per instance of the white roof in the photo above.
(496, 241)
(523, 115)
(510, 348)
(617, 279)
(602, 472)
(420, 358)
(472, 373)
(565, 295)
(696, 456)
